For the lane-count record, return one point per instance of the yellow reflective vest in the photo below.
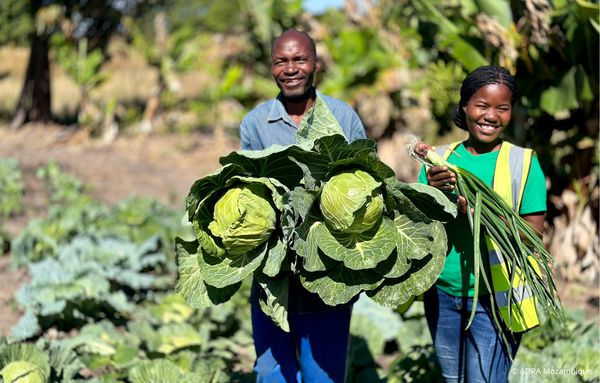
(510, 176)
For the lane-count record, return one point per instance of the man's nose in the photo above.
(290, 67)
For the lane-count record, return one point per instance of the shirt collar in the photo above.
(278, 111)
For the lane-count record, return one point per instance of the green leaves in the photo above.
(340, 223)
(191, 283)
(351, 202)
(459, 47)
(561, 97)
(339, 258)
(318, 122)
(244, 218)
(82, 65)
(419, 278)
(162, 371)
(11, 184)
(358, 251)
(239, 217)
(88, 269)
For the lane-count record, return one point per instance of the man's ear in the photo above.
(319, 65)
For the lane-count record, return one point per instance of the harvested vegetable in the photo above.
(324, 211)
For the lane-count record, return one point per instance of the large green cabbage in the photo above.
(351, 202)
(237, 219)
(244, 218)
(350, 225)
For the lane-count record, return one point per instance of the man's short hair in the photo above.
(312, 42)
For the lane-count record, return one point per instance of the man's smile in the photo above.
(291, 81)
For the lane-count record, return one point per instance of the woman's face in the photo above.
(488, 113)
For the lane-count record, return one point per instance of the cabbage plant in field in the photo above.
(326, 211)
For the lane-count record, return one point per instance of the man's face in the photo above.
(293, 65)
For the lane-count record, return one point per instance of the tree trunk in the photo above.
(34, 101)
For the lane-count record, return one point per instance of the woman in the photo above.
(479, 354)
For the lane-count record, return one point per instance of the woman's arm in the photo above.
(535, 220)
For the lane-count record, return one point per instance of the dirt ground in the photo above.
(160, 166)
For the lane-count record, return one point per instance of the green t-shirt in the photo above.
(457, 276)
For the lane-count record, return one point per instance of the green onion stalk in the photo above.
(485, 208)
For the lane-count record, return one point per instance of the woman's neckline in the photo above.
(481, 154)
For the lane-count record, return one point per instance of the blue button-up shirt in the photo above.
(270, 124)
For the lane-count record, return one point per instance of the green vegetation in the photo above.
(73, 212)
(12, 187)
(335, 203)
(11, 184)
(549, 346)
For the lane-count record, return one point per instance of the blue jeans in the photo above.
(321, 340)
(474, 355)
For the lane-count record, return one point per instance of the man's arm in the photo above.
(358, 129)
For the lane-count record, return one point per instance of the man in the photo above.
(319, 333)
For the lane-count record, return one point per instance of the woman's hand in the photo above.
(440, 178)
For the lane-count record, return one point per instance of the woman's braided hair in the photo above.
(480, 77)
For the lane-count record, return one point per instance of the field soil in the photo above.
(159, 166)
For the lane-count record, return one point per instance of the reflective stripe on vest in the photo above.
(510, 176)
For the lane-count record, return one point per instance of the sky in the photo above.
(320, 6)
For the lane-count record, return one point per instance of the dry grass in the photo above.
(13, 64)
(131, 78)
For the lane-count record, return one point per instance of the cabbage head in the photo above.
(243, 218)
(238, 222)
(351, 202)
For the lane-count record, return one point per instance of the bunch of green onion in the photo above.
(485, 207)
